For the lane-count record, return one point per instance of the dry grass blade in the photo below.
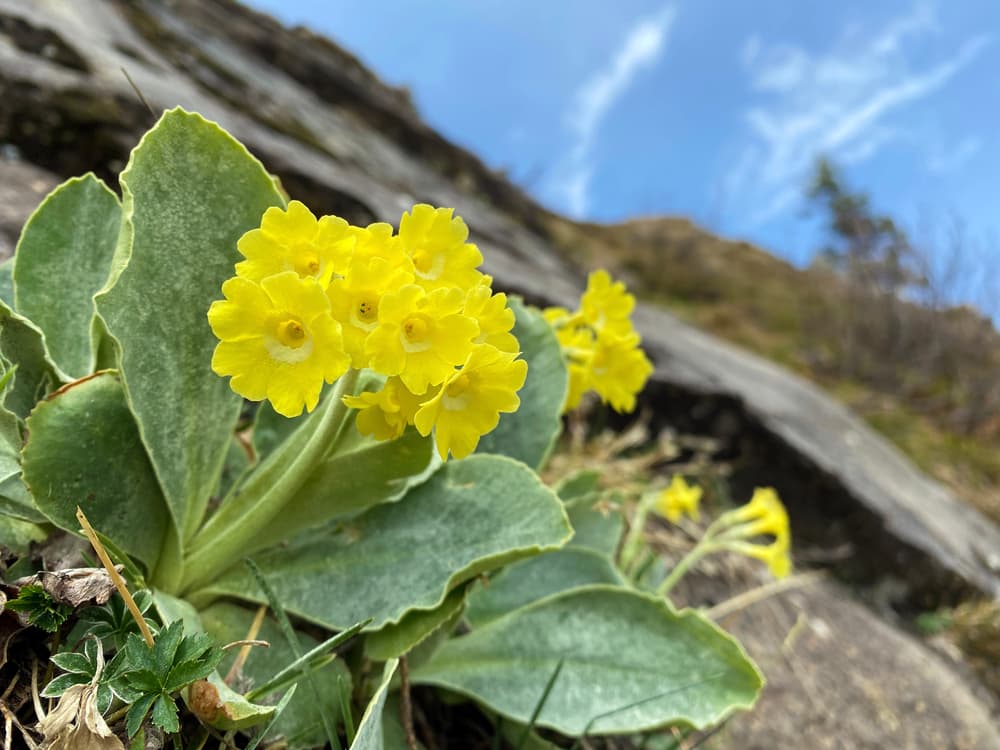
(115, 576)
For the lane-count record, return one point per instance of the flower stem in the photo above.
(704, 547)
(237, 528)
(633, 541)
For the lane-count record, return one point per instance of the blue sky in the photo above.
(712, 109)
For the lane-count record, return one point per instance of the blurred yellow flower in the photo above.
(599, 345)
(764, 515)
(736, 531)
(606, 305)
(293, 240)
(435, 241)
(469, 402)
(277, 340)
(679, 499)
(421, 337)
(556, 316)
(619, 370)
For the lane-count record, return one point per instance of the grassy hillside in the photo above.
(929, 397)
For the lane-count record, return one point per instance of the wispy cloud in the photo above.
(596, 99)
(839, 103)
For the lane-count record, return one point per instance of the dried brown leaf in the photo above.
(73, 586)
(75, 723)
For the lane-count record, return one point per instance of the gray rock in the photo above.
(839, 678)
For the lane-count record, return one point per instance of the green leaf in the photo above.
(189, 192)
(279, 709)
(138, 711)
(15, 500)
(530, 580)
(236, 465)
(316, 658)
(619, 647)
(393, 734)
(186, 672)
(397, 640)
(165, 647)
(530, 433)
(165, 714)
(62, 259)
(193, 646)
(595, 528)
(345, 483)
(514, 734)
(63, 682)
(70, 661)
(84, 449)
(7, 282)
(138, 656)
(227, 622)
(369, 736)
(16, 535)
(170, 608)
(584, 483)
(22, 344)
(270, 429)
(470, 516)
(143, 680)
(41, 609)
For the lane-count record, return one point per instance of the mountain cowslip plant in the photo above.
(400, 410)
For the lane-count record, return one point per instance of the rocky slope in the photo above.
(345, 143)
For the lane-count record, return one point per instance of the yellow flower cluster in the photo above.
(737, 530)
(600, 345)
(764, 515)
(315, 297)
(679, 499)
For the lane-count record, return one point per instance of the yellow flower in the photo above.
(421, 337)
(606, 305)
(556, 316)
(678, 500)
(764, 515)
(775, 555)
(294, 240)
(494, 317)
(355, 300)
(470, 401)
(600, 346)
(378, 241)
(579, 384)
(619, 370)
(577, 344)
(277, 340)
(764, 505)
(385, 414)
(435, 240)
